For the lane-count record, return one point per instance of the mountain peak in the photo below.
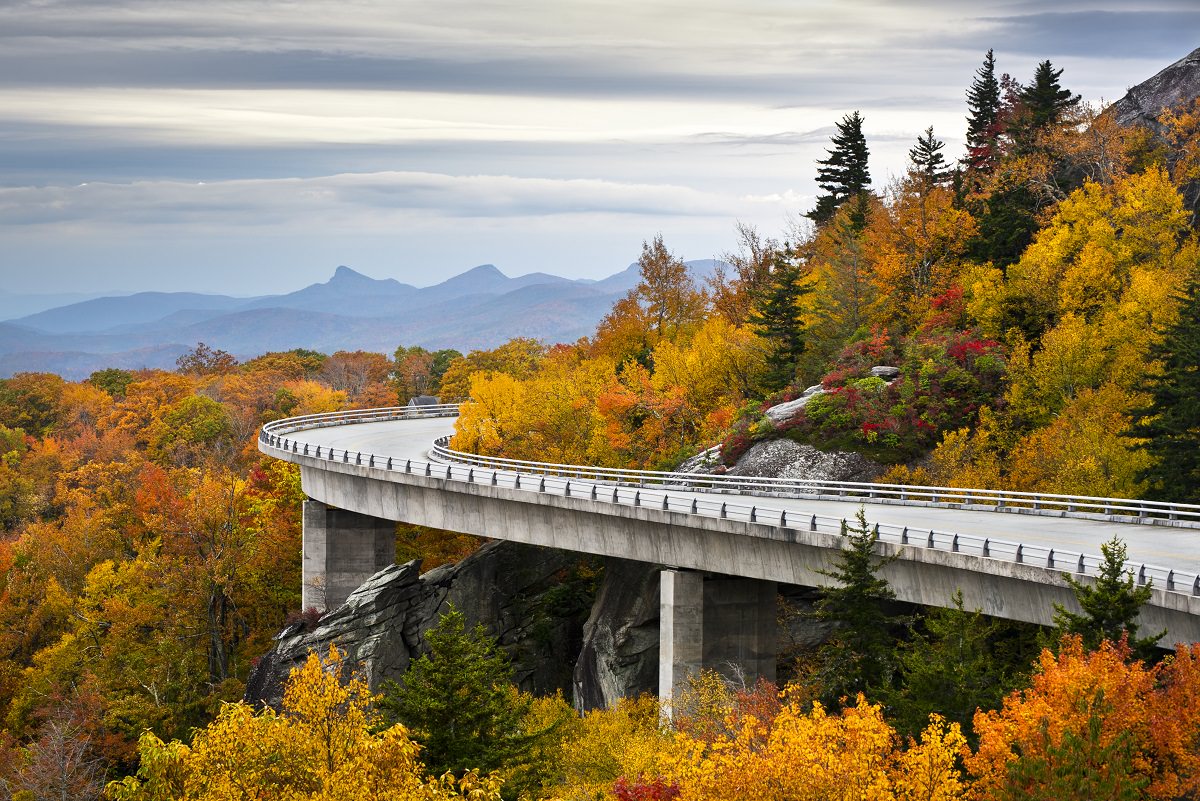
(345, 274)
(483, 271)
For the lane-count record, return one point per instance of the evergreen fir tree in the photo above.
(1040, 107)
(1044, 99)
(954, 664)
(844, 174)
(776, 316)
(928, 161)
(1171, 423)
(1007, 223)
(459, 702)
(859, 656)
(983, 122)
(1109, 605)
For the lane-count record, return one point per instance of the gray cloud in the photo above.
(480, 130)
(258, 203)
(1099, 34)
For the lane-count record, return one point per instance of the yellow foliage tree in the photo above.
(518, 358)
(325, 743)
(1182, 126)
(817, 756)
(605, 744)
(915, 243)
(846, 298)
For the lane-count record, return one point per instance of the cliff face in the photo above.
(567, 623)
(533, 600)
(1178, 83)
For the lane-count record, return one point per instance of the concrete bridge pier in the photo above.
(341, 549)
(721, 623)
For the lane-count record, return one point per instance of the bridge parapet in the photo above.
(1042, 503)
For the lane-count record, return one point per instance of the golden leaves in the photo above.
(326, 744)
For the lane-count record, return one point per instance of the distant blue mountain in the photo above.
(104, 313)
(480, 308)
(21, 304)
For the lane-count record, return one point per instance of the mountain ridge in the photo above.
(479, 308)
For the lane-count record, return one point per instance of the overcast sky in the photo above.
(251, 146)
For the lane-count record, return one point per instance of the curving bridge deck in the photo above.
(1005, 551)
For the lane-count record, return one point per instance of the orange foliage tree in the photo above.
(1145, 719)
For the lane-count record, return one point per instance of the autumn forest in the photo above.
(1041, 301)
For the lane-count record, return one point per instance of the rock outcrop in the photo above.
(533, 600)
(783, 458)
(782, 412)
(619, 657)
(1143, 104)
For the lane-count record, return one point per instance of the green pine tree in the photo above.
(844, 173)
(955, 663)
(1109, 605)
(776, 316)
(928, 161)
(1170, 424)
(459, 702)
(983, 122)
(1045, 100)
(859, 656)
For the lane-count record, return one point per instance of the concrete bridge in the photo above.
(725, 542)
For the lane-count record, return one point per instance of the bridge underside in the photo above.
(719, 622)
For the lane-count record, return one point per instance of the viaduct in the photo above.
(724, 543)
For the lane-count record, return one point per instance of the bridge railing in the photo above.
(290, 425)
(1036, 502)
(1147, 511)
(769, 521)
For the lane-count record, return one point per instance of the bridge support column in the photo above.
(680, 630)
(341, 550)
(722, 623)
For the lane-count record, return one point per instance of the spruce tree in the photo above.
(1109, 605)
(860, 655)
(983, 122)
(954, 664)
(1041, 106)
(1044, 99)
(1170, 424)
(844, 173)
(776, 316)
(459, 702)
(928, 161)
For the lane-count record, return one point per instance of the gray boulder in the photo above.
(885, 372)
(703, 462)
(783, 412)
(784, 458)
